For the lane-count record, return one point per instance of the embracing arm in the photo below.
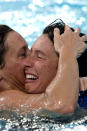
(63, 91)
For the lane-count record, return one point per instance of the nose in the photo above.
(29, 62)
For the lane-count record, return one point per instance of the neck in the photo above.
(11, 85)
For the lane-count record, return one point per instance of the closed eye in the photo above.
(40, 54)
(23, 52)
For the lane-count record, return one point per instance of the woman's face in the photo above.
(43, 65)
(15, 60)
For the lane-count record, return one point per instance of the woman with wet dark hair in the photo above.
(4, 30)
(81, 58)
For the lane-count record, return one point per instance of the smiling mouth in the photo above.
(31, 77)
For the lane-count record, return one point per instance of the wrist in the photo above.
(67, 54)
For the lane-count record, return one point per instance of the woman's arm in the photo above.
(64, 91)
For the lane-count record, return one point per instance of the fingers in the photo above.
(81, 49)
(56, 38)
(56, 32)
(77, 30)
(67, 31)
(67, 27)
(69, 37)
(80, 52)
(56, 35)
(84, 38)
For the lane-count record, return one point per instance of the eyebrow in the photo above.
(24, 47)
(39, 51)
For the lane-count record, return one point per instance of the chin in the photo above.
(31, 90)
(34, 88)
(35, 92)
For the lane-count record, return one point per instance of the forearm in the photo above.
(63, 94)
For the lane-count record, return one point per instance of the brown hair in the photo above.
(82, 60)
(4, 30)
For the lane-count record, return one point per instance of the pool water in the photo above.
(43, 121)
(29, 17)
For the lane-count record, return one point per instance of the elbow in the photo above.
(65, 109)
(68, 109)
(61, 108)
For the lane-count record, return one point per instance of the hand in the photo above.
(69, 41)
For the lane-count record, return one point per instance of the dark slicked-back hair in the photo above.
(4, 30)
(82, 60)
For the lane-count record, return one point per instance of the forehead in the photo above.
(14, 39)
(43, 43)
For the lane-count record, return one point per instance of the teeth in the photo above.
(31, 77)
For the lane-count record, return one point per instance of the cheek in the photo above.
(14, 68)
(39, 65)
(52, 68)
(42, 70)
(19, 69)
(45, 71)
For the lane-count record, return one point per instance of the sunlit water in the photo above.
(29, 17)
(43, 121)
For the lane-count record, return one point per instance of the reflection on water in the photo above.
(43, 121)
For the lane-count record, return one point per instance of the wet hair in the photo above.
(82, 60)
(4, 30)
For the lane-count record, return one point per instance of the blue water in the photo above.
(43, 121)
(29, 17)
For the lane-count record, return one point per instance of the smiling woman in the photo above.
(43, 65)
(14, 56)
